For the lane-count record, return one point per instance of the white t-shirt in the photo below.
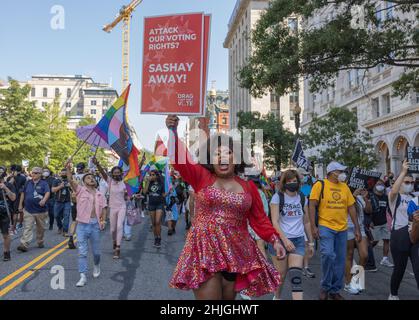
(291, 219)
(402, 219)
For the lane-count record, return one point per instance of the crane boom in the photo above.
(125, 16)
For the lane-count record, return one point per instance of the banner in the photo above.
(413, 159)
(363, 179)
(299, 158)
(174, 64)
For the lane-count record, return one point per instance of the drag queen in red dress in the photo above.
(220, 258)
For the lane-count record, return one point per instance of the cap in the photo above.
(302, 171)
(81, 165)
(335, 166)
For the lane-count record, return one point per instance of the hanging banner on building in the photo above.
(363, 179)
(207, 41)
(413, 159)
(299, 158)
(173, 64)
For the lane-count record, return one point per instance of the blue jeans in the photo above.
(85, 232)
(62, 212)
(127, 228)
(333, 257)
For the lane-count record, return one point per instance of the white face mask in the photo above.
(407, 188)
(342, 177)
(45, 174)
(380, 188)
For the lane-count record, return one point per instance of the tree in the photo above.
(336, 137)
(358, 36)
(22, 135)
(278, 142)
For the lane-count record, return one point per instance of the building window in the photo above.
(294, 97)
(224, 121)
(93, 103)
(33, 92)
(57, 92)
(350, 80)
(93, 111)
(45, 92)
(68, 105)
(68, 113)
(379, 16)
(375, 108)
(386, 104)
(68, 93)
(389, 10)
(417, 97)
(44, 104)
(105, 102)
(81, 93)
(293, 24)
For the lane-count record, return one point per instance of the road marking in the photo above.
(30, 263)
(18, 281)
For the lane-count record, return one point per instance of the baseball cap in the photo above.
(335, 166)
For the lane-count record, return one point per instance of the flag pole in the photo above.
(78, 149)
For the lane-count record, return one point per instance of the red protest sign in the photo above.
(207, 38)
(173, 65)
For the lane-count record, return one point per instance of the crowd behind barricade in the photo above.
(298, 214)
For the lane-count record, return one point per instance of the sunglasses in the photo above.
(36, 172)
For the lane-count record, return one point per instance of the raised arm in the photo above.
(396, 186)
(74, 185)
(99, 167)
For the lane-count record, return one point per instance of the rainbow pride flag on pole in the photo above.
(114, 129)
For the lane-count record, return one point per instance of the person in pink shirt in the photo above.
(117, 205)
(91, 217)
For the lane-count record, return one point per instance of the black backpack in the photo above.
(393, 215)
(282, 201)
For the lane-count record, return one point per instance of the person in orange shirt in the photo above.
(333, 200)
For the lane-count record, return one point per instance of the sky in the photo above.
(29, 46)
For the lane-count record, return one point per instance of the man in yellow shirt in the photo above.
(334, 200)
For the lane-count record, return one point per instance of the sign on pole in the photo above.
(413, 159)
(175, 64)
(299, 158)
(25, 163)
(363, 179)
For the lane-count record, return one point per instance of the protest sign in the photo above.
(413, 159)
(363, 179)
(174, 64)
(299, 158)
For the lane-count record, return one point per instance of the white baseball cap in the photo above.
(335, 166)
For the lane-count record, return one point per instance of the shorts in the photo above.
(4, 224)
(380, 232)
(154, 207)
(299, 244)
(351, 233)
(229, 276)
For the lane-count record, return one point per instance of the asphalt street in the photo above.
(142, 273)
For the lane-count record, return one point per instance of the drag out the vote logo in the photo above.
(58, 18)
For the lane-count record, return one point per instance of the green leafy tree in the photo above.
(336, 137)
(354, 38)
(22, 135)
(278, 142)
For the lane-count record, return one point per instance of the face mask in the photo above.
(292, 187)
(408, 188)
(63, 177)
(342, 177)
(380, 188)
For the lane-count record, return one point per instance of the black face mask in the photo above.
(117, 178)
(63, 177)
(292, 187)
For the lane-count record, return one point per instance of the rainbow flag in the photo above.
(113, 128)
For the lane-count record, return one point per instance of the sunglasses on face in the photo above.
(36, 173)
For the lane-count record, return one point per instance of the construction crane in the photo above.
(125, 15)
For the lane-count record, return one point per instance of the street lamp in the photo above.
(212, 111)
(297, 113)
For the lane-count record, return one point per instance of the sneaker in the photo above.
(386, 262)
(83, 280)
(117, 253)
(41, 245)
(390, 297)
(96, 271)
(71, 244)
(6, 256)
(245, 296)
(60, 231)
(157, 243)
(351, 289)
(336, 296)
(308, 273)
(66, 235)
(371, 269)
(22, 248)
